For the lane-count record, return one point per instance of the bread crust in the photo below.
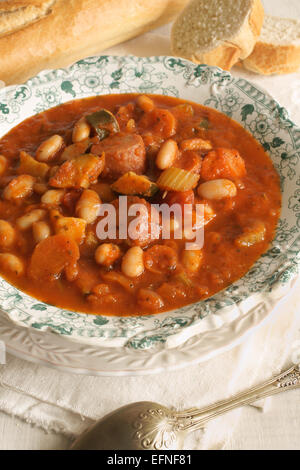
(230, 52)
(74, 29)
(269, 59)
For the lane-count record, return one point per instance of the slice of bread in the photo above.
(278, 49)
(217, 32)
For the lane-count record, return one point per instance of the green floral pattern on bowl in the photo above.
(246, 103)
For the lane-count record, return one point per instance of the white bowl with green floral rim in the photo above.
(146, 344)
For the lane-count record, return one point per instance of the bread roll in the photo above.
(217, 32)
(278, 49)
(39, 34)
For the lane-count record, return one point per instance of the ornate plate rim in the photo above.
(282, 115)
(73, 357)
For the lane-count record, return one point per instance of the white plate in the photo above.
(146, 344)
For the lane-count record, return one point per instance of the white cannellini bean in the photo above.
(87, 207)
(167, 154)
(81, 130)
(217, 189)
(41, 230)
(53, 197)
(107, 253)
(7, 234)
(27, 220)
(12, 263)
(48, 149)
(3, 164)
(252, 235)
(133, 262)
(192, 259)
(145, 103)
(19, 187)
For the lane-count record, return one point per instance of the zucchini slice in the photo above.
(132, 184)
(103, 122)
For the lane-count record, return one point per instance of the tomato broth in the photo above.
(58, 167)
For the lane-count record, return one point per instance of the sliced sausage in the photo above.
(223, 163)
(143, 231)
(51, 256)
(123, 153)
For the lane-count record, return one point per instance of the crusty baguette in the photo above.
(278, 49)
(217, 32)
(39, 34)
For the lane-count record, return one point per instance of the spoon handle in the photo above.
(193, 419)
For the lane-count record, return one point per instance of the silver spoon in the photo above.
(146, 425)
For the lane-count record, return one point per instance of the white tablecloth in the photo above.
(56, 401)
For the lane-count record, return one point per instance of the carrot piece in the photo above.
(160, 121)
(51, 256)
(165, 123)
(223, 163)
